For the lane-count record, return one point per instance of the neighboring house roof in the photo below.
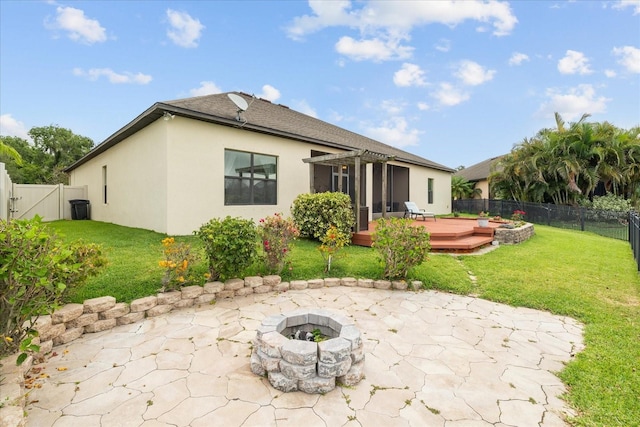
(479, 171)
(261, 116)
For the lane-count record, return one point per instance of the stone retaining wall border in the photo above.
(512, 236)
(100, 314)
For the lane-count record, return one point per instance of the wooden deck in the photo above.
(447, 234)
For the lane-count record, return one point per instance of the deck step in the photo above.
(466, 243)
(444, 237)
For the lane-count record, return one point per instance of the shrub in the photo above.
(315, 213)
(36, 271)
(400, 245)
(177, 263)
(230, 246)
(332, 242)
(277, 233)
(610, 202)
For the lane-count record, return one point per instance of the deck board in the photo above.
(447, 234)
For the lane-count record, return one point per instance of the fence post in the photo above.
(60, 201)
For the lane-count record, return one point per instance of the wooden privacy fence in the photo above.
(24, 201)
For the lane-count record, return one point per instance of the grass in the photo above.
(588, 277)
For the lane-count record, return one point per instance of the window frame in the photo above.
(252, 179)
(105, 198)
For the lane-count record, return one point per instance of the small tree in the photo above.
(400, 245)
(230, 246)
(332, 242)
(36, 271)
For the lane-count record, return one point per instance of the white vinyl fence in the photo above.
(24, 201)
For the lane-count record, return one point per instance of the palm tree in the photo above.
(460, 187)
(11, 152)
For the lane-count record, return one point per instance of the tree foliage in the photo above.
(566, 164)
(461, 188)
(43, 162)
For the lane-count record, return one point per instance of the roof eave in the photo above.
(158, 110)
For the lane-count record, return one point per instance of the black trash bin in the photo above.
(79, 209)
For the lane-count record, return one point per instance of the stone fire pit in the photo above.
(293, 364)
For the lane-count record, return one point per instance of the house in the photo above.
(181, 163)
(478, 174)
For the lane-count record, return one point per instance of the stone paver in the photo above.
(430, 359)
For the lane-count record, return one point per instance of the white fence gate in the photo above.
(24, 201)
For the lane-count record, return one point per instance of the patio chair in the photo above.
(412, 211)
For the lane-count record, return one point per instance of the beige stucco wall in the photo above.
(418, 189)
(169, 177)
(136, 180)
(196, 167)
(484, 186)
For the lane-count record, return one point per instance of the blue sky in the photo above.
(454, 82)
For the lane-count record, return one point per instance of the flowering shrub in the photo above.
(177, 263)
(400, 245)
(518, 215)
(276, 233)
(333, 240)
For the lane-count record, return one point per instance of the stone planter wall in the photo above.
(510, 236)
(103, 313)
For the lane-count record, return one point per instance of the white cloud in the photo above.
(185, 30)
(79, 28)
(409, 75)
(94, 74)
(9, 126)
(383, 25)
(443, 45)
(449, 95)
(395, 132)
(269, 92)
(394, 16)
(374, 49)
(623, 4)
(473, 74)
(610, 73)
(392, 107)
(325, 14)
(423, 106)
(206, 88)
(304, 107)
(573, 103)
(629, 58)
(518, 58)
(574, 63)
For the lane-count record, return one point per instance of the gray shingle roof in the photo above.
(479, 171)
(261, 116)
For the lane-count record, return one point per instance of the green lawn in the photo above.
(590, 278)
